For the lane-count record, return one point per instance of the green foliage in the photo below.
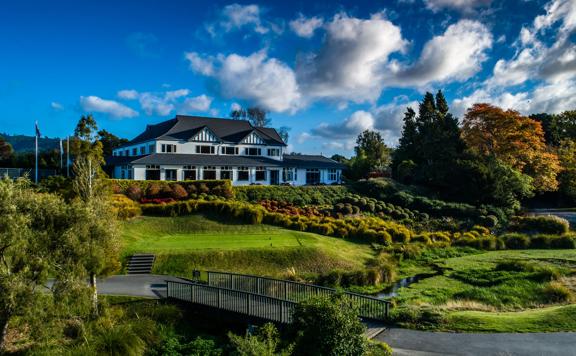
(125, 208)
(516, 241)
(328, 326)
(138, 189)
(372, 154)
(377, 348)
(299, 196)
(540, 225)
(58, 185)
(265, 342)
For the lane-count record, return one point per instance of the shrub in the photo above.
(124, 207)
(134, 192)
(153, 190)
(328, 326)
(178, 192)
(516, 241)
(556, 292)
(565, 241)
(541, 241)
(377, 348)
(540, 224)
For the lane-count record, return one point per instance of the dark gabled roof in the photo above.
(205, 160)
(185, 127)
(311, 161)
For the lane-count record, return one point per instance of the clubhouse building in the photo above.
(197, 148)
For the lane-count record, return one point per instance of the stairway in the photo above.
(141, 263)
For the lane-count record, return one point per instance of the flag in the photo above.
(37, 130)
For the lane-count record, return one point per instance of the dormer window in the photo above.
(167, 148)
(229, 150)
(251, 151)
(273, 152)
(210, 150)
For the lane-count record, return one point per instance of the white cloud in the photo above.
(349, 128)
(110, 107)
(350, 64)
(537, 60)
(550, 98)
(389, 118)
(236, 16)
(235, 106)
(56, 106)
(127, 94)
(198, 103)
(175, 94)
(204, 66)
(455, 55)
(262, 81)
(464, 6)
(305, 27)
(153, 104)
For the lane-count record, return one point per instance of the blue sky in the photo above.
(326, 69)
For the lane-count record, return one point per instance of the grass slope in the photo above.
(185, 243)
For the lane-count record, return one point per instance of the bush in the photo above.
(565, 241)
(134, 192)
(157, 189)
(556, 292)
(153, 191)
(516, 241)
(124, 207)
(178, 192)
(328, 326)
(377, 348)
(540, 225)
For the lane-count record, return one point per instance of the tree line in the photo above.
(494, 156)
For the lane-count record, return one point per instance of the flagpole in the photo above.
(36, 155)
(67, 156)
(61, 157)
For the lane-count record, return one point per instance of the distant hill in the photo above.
(23, 143)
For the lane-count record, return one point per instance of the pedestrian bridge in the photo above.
(265, 298)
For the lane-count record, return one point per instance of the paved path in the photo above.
(423, 343)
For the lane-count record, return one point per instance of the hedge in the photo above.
(150, 189)
(300, 196)
(540, 225)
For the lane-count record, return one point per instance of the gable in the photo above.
(254, 139)
(205, 135)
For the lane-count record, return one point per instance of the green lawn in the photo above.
(188, 242)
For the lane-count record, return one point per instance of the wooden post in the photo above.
(249, 305)
(259, 285)
(219, 298)
(231, 282)
(285, 291)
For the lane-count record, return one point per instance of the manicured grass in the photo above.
(550, 319)
(185, 243)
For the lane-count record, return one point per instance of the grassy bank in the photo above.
(188, 242)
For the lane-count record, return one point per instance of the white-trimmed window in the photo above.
(226, 172)
(243, 174)
(253, 151)
(209, 150)
(312, 176)
(168, 148)
(273, 152)
(229, 150)
(288, 175)
(152, 172)
(190, 172)
(209, 172)
(260, 174)
(333, 175)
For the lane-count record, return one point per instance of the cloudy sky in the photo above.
(326, 69)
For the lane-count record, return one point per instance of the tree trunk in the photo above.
(94, 294)
(3, 332)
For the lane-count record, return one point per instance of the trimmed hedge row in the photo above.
(540, 225)
(153, 189)
(299, 196)
(386, 191)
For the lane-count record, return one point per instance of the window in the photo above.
(134, 151)
(205, 149)
(126, 153)
(153, 172)
(189, 172)
(243, 174)
(229, 150)
(260, 174)
(166, 148)
(151, 148)
(250, 151)
(332, 175)
(226, 172)
(209, 172)
(288, 175)
(142, 150)
(170, 174)
(312, 176)
(274, 152)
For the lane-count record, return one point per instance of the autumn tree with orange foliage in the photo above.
(516, 140)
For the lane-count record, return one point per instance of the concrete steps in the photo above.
(141, 263)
